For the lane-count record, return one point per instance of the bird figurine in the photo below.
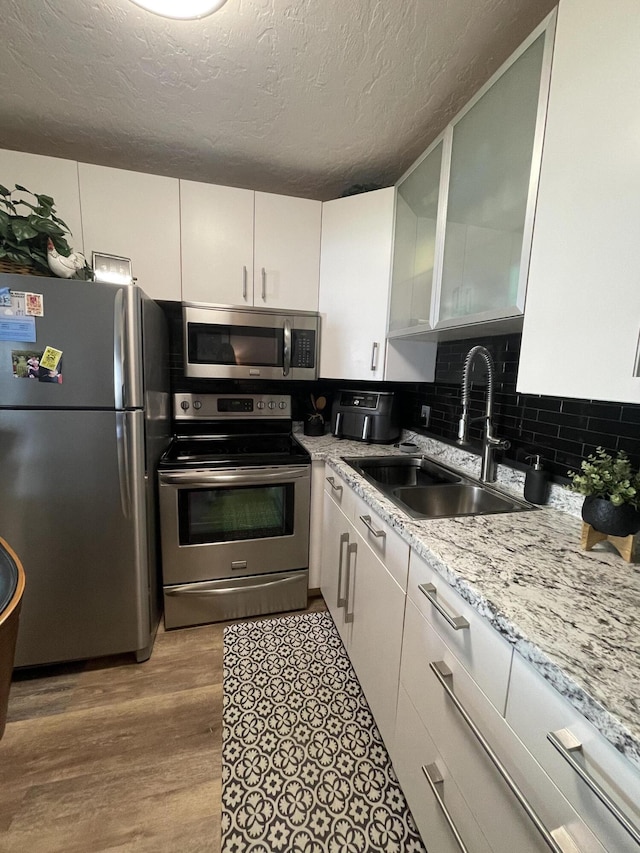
(64, 267)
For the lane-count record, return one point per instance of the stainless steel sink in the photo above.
(427, 489)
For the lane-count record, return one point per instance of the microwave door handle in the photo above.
(286, 352)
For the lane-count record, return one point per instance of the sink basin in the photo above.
(393, 471)
(427, 489)
(444, 501)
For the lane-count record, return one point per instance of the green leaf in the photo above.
(45, 226)
(4, 190)
(23, 230)
(23, 189)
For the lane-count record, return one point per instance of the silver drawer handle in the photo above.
(366, 520)
(341, 602)
(456, 622)
(445, 677)
(351, 549)
(434, 778)
(566, 743)
(374, 355)
(332, 483)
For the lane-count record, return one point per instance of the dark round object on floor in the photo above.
(613, 520)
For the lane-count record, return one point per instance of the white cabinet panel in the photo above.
(413, 750)
(287, 252)
(375, 603)
(482, 651)
(354, 284)
(47, 176)
(137, 216)
(336, 529)
(583, 300)
(217, 243)
(534, 710)
(500, 815)
(315, 524)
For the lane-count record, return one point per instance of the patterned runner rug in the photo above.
(304, 769)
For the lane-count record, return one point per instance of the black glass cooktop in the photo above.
(225, 450)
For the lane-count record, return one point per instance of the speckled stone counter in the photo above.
(574, 615)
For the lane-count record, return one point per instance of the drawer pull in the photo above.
(332, 483)
(344, 537)
(366, 520)
(351, 549)
(434, 778)
(456, 622)
(567, 743)
(445, 677)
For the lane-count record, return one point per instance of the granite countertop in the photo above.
(574, 615)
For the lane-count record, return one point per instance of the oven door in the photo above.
(234, 522)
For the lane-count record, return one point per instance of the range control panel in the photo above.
(193, 407)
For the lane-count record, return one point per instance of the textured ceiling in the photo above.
(302, 97)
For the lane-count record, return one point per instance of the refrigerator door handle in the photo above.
(124, 463)
(119, 350)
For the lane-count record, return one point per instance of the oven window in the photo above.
(235, 513)
(249, 346)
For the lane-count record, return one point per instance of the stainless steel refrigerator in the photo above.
(79, 445)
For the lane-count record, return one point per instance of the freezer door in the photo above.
(72, 506)
(97, 328)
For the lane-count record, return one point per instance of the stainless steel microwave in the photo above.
(238, 343)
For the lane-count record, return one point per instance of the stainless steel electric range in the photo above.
(234, 490)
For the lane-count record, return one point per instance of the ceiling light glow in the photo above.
(182, 9)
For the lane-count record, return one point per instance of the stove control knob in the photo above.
(260, 404)
(197, 404)
(272, 404)
(282, 404)
(184, 405)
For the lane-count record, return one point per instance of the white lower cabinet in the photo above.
(528, 814)
(598, 781)
(438, 808)
(366, 603)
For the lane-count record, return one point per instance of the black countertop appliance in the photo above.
(370, 416)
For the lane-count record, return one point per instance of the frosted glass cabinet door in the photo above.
(490, 175)
(414, 251)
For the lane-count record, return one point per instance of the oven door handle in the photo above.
(203, 589)
(236, 478)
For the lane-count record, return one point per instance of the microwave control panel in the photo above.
(303, 348)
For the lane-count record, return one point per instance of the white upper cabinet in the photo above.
(580, 336)
(464, 212)
(354, 284)
(246, 248)
(217, 243)
(354, 291)
(137, 216)
(47, 176)
(286, 252)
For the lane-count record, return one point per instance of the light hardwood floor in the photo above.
(110, 755)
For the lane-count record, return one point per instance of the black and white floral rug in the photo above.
(304, 769)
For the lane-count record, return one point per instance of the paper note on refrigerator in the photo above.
(50, 358)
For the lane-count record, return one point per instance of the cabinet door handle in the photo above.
(374, 355)
(436, 782)
(352, 548)
(332, 483)
(445, 677)
(341, 602)
(567, 743)
(264, 284)
(244, 282)
(430, 591)
(366, 520)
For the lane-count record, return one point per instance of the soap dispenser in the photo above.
(535, 482)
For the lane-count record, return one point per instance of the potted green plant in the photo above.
(27, 222)
(612, 493)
